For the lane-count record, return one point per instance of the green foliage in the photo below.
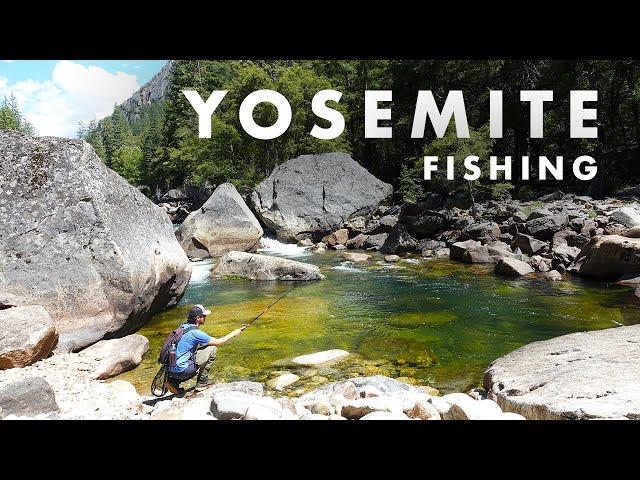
(11, 118)
(409, 186)
(127, 162)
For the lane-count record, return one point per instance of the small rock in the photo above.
(355, 257)
(321, 407)
(384, 416)
(305, 242)
(391, 258)
(424, 410)
(336, 417)
(27, 335)
(368, 391)
(28, 397)
(553, 276)
(283, 381)
(363, 406)
(512, 267)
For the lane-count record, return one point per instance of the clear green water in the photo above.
(439, 323)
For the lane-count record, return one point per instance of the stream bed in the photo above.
(436, 322)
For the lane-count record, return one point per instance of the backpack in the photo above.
(168, 352)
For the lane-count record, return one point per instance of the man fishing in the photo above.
(196, 352)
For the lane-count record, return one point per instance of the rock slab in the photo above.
(117, 356)
(253, 266)
(586, 375)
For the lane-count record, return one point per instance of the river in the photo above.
(437, 322)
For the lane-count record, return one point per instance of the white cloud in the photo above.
(75, 93)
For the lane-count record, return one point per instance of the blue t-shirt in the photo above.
(187, 346)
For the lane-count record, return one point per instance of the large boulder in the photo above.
(399, 241)
(117, 355)
(253, 266)
(586, 375)
(77, 239)
(27, 334)
(222, 224)
(608, 256)
(317, 194)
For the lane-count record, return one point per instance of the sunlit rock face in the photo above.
(312, 195)
(80, 241)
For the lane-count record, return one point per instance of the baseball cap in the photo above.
(198, 310)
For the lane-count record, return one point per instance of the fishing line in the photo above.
(297, 282)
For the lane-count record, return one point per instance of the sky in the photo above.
(55, 95)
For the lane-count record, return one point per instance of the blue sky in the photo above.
(54, 95)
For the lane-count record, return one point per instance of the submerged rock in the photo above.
(586, 375)
(264, 267)
(224, 223)
(27, 334)
(320, 358)
(317, 194)
(77, 239)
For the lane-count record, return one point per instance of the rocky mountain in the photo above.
(153, 91)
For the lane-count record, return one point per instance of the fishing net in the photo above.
(159, 384)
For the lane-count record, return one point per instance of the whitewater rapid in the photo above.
(271, 246)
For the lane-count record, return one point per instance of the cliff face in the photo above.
(155, 90)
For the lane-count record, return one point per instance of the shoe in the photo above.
(203, 385)
(174, 388)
